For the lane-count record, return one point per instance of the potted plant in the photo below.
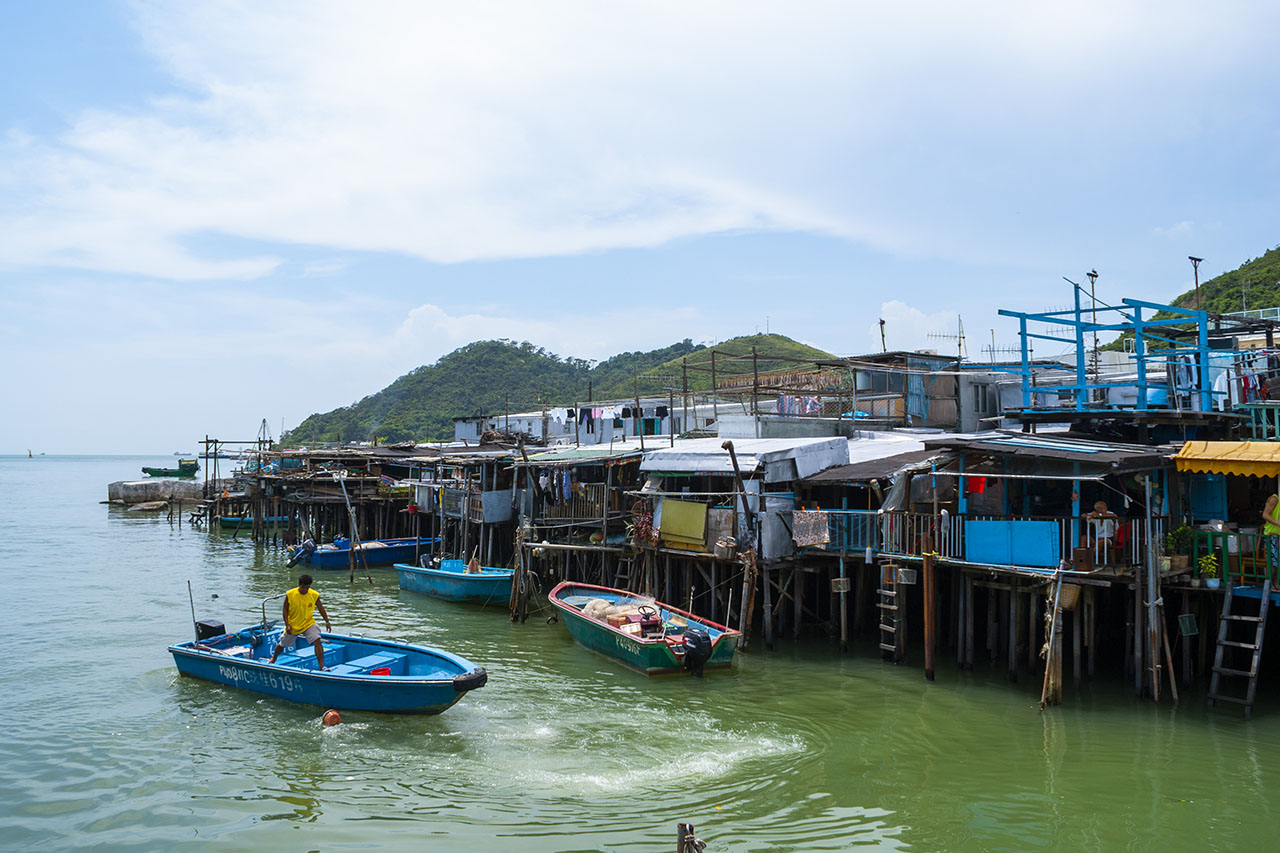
(1208, 566)
(1177, 546)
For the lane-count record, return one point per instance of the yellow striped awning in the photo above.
(1247, 458)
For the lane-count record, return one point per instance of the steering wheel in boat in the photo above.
(648, 611)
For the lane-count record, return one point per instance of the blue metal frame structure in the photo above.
(1131, 320)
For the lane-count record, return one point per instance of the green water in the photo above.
(800, 749)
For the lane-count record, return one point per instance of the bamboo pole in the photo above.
(1051, 640)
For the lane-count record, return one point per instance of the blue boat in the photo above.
(363, 674)
(452, 582)
(376, 552)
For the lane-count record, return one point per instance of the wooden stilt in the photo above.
(797, 594)
(860, 571)
(1013, 630)
(1075, 643)
(969, 622)
(1033, 628)
(993, 639)
(1051, 691)
(1187, 675)
(767, 575)
(929, 623)
(844, 610)
(1137, 635)
(1168, 657)
(1091, 626)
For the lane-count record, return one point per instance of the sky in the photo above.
(217, 213)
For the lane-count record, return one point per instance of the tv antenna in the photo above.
(993, 350)
(958, 337)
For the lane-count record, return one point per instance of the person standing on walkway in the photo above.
(1271, 530)
(300, 604)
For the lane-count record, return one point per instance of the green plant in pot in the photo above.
(1177, 546)
(1208, 568)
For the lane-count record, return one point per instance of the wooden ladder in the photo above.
(890, 615)
(626, 571)
(1254, 648)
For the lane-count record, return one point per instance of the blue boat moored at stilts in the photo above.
(362, 675)
(374, 552)
(451, 581)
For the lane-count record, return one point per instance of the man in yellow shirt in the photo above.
(300, 603)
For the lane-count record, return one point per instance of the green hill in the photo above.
(1257, 280)
(486, 376)
(774, 352)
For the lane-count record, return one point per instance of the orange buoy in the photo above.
(331, 718)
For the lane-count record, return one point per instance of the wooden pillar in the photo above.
(666, 579)
(859, 596)
(1033, 628)
(1091, 627)
(1137, 635)
(796, 592)
(715, 593)
(969, 621)
(1186, 643)
(844, 609)
(1054, 674)
(1075, 642)
(993, 639)
(1013, 629)
(929, 615)
(768, 607)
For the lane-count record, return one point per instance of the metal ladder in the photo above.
(890, 618)
(1220, 669)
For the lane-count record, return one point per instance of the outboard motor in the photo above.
(697, 650)
(302, 552)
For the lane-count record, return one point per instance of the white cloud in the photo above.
(430, 331)
(459, 132)
(1178, 229)
(908, 328)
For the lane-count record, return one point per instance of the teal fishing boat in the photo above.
(186, 468)
(232, 522)
(642, 633)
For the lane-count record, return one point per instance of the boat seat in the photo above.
(392, 660)
(333, 654)
(344, 669)
(289, 660)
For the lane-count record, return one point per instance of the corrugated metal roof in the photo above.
(870, 469)
(1072, 449)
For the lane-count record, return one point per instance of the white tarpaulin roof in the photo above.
(870, 446)
(782, 459)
